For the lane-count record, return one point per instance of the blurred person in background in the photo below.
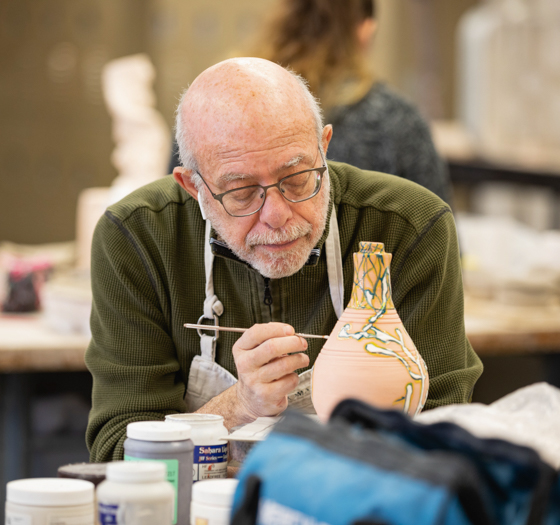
(328, 42)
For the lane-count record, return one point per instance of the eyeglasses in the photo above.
(297, 187)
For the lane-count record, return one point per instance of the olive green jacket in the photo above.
(148, 280)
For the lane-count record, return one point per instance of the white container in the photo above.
(170, 445)
(208, 434)
(136, 493)
(212, 501)
(46, 501)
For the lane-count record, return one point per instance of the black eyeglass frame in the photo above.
(220, 196)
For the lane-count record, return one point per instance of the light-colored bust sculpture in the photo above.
(143, 143)
(143, 140)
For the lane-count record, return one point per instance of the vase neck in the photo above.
(372, 282)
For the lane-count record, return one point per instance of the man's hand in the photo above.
(266, 373)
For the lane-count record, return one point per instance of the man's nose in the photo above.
(276, 211)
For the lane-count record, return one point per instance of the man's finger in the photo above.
(252, 360)
(282, 366)
(259, 333)
(277, 390)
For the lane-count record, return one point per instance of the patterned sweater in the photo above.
(148, 280)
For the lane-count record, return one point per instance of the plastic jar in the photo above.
(208, 434)
(94, 472)
(171, 445)
(44, 501)
(212, 501)
(136, 493)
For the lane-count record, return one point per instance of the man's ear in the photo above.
(183, 178)
(327, 136)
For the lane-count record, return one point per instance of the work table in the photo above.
(28, 344)
(499, 329)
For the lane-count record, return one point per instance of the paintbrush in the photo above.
(241, 330)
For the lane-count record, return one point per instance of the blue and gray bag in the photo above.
(371, 466)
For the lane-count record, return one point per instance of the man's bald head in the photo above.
(244, 96)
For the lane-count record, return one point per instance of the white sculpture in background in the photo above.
(143, 140)
(143, 143)
(509, 81)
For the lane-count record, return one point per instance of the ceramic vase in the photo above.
(369, 354)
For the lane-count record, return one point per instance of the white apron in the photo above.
(207, 378)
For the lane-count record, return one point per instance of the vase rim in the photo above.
(371, 247)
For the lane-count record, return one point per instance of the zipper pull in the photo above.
(267, 295)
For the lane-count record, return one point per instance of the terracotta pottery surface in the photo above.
(369, 354)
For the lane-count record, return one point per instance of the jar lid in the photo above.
(136, 471)
(158, 431)
(194, 419)
(215, 491)
(50, 492)
(94, 472)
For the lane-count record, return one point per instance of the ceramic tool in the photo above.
(241, 330)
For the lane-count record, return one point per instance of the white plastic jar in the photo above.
(212, 500)
(208, 434)
(170, 445)
(136, 493)
(45, 501)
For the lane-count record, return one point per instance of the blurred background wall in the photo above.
(55, 132)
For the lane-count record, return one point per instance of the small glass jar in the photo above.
(136, 493)
(44, 501)
(208, 434)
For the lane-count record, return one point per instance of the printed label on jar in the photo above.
(126, 513)
(209, 461)
(18, 519)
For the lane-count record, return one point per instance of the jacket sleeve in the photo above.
(131, 356)
(428, 294)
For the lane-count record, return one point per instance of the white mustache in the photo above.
(282, 236)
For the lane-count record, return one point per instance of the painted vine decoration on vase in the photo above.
(394, 375)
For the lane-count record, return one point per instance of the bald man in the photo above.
(240, 236)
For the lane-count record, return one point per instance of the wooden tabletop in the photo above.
(28, 344)
(498, 328)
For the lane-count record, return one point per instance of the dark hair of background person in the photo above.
(319, 40)
(374, 128)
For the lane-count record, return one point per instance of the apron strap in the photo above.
(213, 308)
(212, 305)
(334, 265)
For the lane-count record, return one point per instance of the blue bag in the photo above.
(380, 467)
(520, 487)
